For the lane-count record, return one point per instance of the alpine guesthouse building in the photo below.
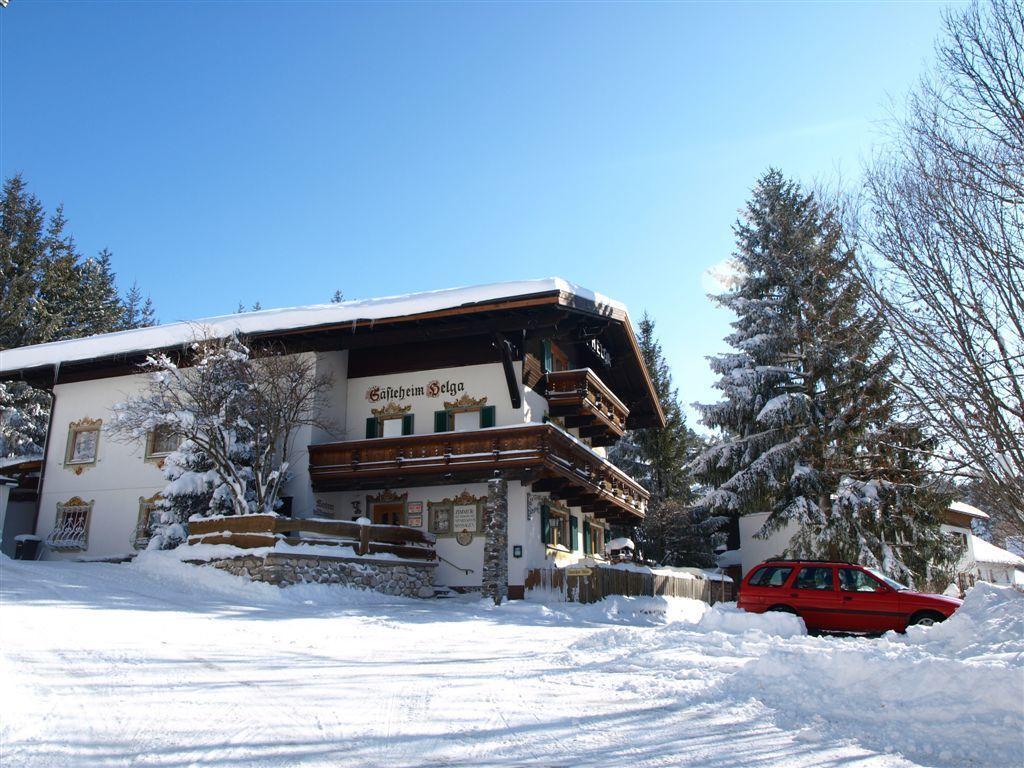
(440, 400)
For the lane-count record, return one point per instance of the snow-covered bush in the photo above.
(234, 412)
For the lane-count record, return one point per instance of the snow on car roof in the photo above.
(288, 318)
(967, 509)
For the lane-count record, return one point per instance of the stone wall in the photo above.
(404, 579)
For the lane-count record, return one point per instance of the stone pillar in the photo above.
(495, 576)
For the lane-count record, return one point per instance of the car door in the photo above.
(866, 604)
(815, 597)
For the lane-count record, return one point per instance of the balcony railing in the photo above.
(541, 454)
(583, 401)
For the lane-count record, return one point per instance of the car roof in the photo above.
(795, 561)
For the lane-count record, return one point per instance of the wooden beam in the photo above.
(505, 348)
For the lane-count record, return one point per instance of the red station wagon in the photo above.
(840, 597)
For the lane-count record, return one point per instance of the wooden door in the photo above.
(389, 513)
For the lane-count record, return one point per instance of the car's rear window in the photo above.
(770, 576)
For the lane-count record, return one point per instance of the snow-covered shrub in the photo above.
(235, 412)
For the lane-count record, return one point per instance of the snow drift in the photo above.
(726, 617)
(917, 694)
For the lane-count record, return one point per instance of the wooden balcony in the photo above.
(541, 454)
(584, 402)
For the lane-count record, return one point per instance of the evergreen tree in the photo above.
(47, 293)
(138, 312)
(148, 316)
(338, 297)
(672, 532)
(21, 236)
(809, 416)
(99, 309)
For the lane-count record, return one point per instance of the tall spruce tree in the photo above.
(672, 532)
(138, 311)
(809, 418)
(48, 292)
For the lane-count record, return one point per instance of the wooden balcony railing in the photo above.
(583, 400)
(541, 454)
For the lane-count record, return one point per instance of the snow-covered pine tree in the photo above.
(807, 406)
(46, 294)
(672, 532)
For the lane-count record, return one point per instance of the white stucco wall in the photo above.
(476, 381)
(115, 483)
(753, 550)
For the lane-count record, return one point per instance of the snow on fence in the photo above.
(251, 531)
(590, 584)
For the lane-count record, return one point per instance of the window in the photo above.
(596, 539)
(854, 580)
(83, 443)
(554, 358)
(160, 442)
(465, 414)
(148, 520)
(816, 577)
(392, 420)
(770, 576)
(71, 527)
(387, 508)
(554, 526)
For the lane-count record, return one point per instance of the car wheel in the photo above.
(926, 619)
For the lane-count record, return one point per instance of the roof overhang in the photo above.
(530, 306)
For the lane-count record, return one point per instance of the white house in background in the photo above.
(981, 561)
(435, 394)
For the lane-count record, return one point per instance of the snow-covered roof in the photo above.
(984, 552)
(620, 543)
(968, 509)
(11, 461)
(730, 557)
(289, 318)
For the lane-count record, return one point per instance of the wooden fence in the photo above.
(249, 531)
(579, 587)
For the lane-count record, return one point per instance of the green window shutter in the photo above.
(574, 527)
(545, 524)
(371, 427)
(440, 421)
(407, 427)
(547, 356)
(587, 548)
(487, 416)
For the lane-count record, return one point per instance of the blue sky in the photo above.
(275, 151)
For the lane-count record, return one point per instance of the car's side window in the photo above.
(814, 577)
(770, 576)
(854, 580)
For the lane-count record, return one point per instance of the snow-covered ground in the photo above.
(161, 663)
